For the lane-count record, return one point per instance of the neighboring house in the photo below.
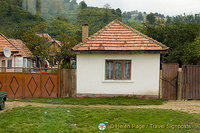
(23, 58)
(20, 54)
(54, 47)
(4, 61)
(118, 60)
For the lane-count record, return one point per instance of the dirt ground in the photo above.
(185, 106)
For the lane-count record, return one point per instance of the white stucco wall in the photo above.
(144, 75)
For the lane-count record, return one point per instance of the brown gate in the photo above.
(68, 83)
(169, 81)
(191, 82)
(31, 83)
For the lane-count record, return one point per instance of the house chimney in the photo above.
(84, 31)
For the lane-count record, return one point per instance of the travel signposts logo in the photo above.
(102, 126)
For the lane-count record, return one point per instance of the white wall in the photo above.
(144, 75)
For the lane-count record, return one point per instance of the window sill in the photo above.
(117, 81)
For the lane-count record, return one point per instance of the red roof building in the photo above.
(117, 61)
(117, 36)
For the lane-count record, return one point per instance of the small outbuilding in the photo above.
(117, 61)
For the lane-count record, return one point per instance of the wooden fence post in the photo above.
(180, 85)
(160, 85)
(23, 84)
(58, 83)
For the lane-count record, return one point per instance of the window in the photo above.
(118, 70)
(3, 63)
(9, 63)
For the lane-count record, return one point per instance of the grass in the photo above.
(95, 101)
(83, 120)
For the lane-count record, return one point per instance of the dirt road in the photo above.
(186, 106)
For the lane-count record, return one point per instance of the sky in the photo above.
(167, 7)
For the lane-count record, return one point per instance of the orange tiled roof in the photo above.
(45, 35)
(4, 42)
(118, 36)
(23, 50)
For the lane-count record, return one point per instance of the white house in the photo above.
(118, 60)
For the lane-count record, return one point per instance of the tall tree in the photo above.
(82, 5)
(119, 12)
(65, 55)
(140, 17)
(192, 52)
(37, 45)
(107, 6)
(38, 5)
(151, 19)
(74, 2)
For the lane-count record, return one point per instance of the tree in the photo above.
(9, 13)
(66, 53)
(74, 2)
(192, 52)
(61, 25)
(82, 5)
(169, 20)
(38, 5)
(179, 37)
(140, 17)
(126, 15)
(37, 45)
(119, 12)
(71, 6)
(106, 16)
(107, 6)
(151, 19)
(41, 28)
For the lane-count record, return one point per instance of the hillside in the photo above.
(14, 20)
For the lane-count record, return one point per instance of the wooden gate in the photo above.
(68, 83)
(169, 81)
(191, 82)
(31, 84)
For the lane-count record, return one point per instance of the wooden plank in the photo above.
(180, 85)
(58, 83)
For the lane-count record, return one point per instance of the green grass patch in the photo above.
(95, 101)
(83, 120)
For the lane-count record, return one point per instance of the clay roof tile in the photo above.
(118, 36)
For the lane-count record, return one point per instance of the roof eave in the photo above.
(164, 51)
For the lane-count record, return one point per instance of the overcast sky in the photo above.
(167, 7)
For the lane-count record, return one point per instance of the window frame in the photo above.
(9, 67)
(122, 69)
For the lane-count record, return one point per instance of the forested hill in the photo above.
(14, 20)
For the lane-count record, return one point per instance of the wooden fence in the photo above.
(191, 82)
(68, 83)
(180, 84)
(30, 83)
